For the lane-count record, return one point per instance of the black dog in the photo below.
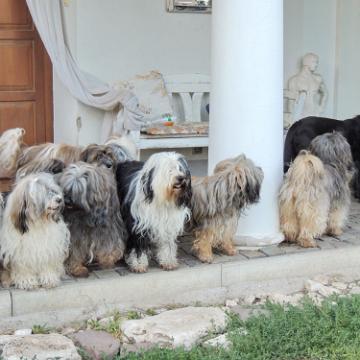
(303, 131)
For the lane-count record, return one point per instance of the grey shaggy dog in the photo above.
(315, 196)
(92, 211)
(333, 148)
(218, 201)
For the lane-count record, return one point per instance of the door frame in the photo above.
(48, 96)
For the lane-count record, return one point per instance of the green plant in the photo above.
(41, 329)
(112, 326)
(150, 312)
(306, 332)
(133, 315)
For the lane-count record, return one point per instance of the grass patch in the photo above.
(41, 329)
(150, 312)
(309, 332)
(112, 327)
(133, 315)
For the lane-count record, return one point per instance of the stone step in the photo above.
(207, 284)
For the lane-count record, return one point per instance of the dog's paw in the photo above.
(80, 271)
(334, 232)
(139, 268)
(6, 279)
(307, 243)
(169, 267)
(49, 280)
(230, 250)
(26, 283)
(205, 258)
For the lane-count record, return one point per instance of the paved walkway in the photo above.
(274, 268)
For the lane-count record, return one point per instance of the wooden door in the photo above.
(25, 75)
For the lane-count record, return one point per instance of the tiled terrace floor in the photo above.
(351, 236)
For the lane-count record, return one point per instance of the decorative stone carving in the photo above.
(306, 94)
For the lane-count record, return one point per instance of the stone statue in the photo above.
(306, 94)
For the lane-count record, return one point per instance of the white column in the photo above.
(246, 102)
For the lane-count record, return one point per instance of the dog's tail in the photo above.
(306, 170)
(301, 192)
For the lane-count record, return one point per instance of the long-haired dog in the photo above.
(92, 211)
(68, 154)
(11, 142)
(315, 195)
(305, 130)
(123, 147)
(217, 203)
(155, 198)
(34, 239)
(50, 166)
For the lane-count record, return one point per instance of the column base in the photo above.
(247, 242)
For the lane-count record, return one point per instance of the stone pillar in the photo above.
(246, 102)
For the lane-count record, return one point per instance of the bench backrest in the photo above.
(189, 94)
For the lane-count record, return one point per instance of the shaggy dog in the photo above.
(315, 196)
(11, 142)
(217, 203)
(51, 166)
(68, 154)
(92, 211)
(123, 147)
(303, 131)
(155, 198)
(34, 239)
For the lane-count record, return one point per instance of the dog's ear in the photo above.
(56, 167)
(85, 154)
(253, 191)
(185, 198)
(20, 218)
(250, 180)
(146, 184)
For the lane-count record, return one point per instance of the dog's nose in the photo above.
(58, 199)
(181, 179)
(180, 182)
(67, 200)
(108, 164)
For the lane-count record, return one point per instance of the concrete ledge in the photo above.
(292, 265)
(210, 284)
(5, 304)
(155, 288)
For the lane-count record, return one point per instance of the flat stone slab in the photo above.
(181, 327)
(97, 344)
(39, 347)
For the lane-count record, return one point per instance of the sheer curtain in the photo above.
(121, 106)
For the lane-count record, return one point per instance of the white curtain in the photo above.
(122, 106)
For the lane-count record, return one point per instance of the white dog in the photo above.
(34, 240)
(155, 203)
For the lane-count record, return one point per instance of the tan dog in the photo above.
(217, 203)
(315, 196)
